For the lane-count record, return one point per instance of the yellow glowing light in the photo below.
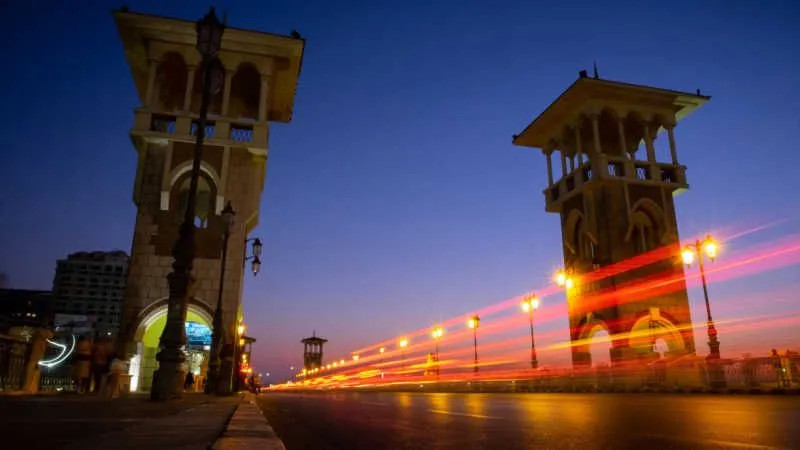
(531, 303)
(569, 284)
(328, 367)
(355, 357)
(688, 256)
(710, 248)
(437, 333)
(341, 361)
(240, 329)
(473, 322)
(241, 342)
(560, 278)
(335, 364)
(382, 350)
(403, 343)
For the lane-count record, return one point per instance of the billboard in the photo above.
(198, 336)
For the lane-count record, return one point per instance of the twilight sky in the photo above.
(395, 198)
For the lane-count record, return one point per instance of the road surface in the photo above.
(374, 421)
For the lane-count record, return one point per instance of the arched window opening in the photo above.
(245, 93)
(204, 205)
(643, 237)
(171, 83)
(600, 348)
(215, 103)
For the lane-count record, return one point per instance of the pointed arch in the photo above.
(572, 230)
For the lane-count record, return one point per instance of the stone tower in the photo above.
(261, 74)
(618, 222)
(312, 352)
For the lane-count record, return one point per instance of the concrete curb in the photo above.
(248, 429)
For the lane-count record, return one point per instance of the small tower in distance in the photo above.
(615, 200)
(312, 352)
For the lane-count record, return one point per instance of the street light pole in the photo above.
(707, 247)
(437, 334)
(168, 379)
(713, 341)
(473, 323)
(530, 305)
(218, 333)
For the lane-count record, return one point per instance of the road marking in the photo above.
(730, 444)
(476, 416)
(375, 403)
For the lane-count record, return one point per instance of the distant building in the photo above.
(92, 284)
(22, 307)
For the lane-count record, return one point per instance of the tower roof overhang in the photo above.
(314, 340)
(137, 31)
(587, 90)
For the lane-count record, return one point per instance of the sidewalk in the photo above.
(196, 427)
(131, 422)
(248, 429)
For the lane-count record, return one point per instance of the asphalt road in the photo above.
(374, 421)
(56, 421)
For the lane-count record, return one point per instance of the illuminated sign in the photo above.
(198, 336)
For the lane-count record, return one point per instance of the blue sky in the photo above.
(395, 198)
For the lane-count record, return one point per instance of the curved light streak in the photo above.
(61, 357)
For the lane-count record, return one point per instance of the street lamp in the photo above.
(437, 334)
(403, 344)
(255, 266)
(473, 323)
(708, 247)
(218, 333)
(529, 305)
(565, 278)
(168, 379)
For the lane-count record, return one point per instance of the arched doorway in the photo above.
(657, 334)
(151, 326)
(594, 342)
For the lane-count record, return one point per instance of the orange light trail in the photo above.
(398, 365)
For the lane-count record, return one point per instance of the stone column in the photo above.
(263, 105)
(648, 142)
(655, 172)
(226, 93)
(596, 133)
(621, 128)
(151, 82)
(671, 134)
(549, 155)
(563, 163)
(578, 145)
(187, 96)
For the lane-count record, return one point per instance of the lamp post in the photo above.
(709, 248)
(437, 334)
(529, 305)
(168, 379)
(565, 278)
(473, 323)
(218, 333)
(255, 266)
(403, 344)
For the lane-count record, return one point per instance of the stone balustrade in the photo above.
(218, 130)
